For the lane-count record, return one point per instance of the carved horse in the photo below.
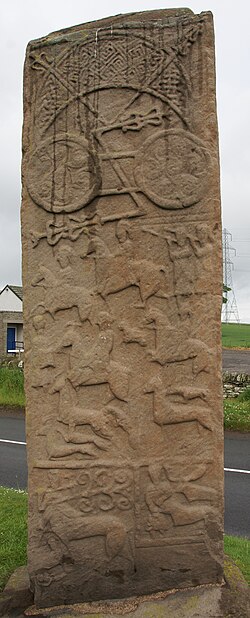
(117, 272)
(173, 345)
(59, 295)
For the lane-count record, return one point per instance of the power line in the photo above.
(229, 308)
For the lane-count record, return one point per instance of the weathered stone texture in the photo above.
(122, 281)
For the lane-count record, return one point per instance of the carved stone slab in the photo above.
(122, 279)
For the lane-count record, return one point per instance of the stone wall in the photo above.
(234, 383)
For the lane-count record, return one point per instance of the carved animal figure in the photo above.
(123, 420)
(52, 567)
(90, 363)
(72, 296)
(72, 414)
(131, 334)
(178, 507)
(69, 523)
(63, 442)
(117, 272)
(122, 272)
(172, 405)
(174, 345)
(176, 500)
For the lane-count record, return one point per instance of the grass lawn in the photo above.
(236, 414)
(13, 537)
(236, 411)
(239, 550)
(13, 532)
(11, 387)
(235, 335)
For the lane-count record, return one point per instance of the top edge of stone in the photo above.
(158, 17)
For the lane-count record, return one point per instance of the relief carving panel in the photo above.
(122, 279)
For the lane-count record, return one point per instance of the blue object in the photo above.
(11, 338)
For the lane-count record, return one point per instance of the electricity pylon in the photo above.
(229, 308)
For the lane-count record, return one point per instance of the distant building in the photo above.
(11, 320)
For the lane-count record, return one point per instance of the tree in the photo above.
(225, 290)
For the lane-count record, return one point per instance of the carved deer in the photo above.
(72, 414)
(178, 405)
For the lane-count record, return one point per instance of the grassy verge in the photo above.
(239, 550)
(236, 411)
(237, 414)
(13, 537)
(235, 335)
(11, 387)
(13, 532)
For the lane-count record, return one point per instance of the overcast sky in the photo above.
(23, 20)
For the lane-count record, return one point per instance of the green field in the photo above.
(13, 531)
(236, 335)
(11, 387)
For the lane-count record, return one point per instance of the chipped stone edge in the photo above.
(10, 597)
(132, 19)
(121, 606)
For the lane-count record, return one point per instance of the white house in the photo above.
(11, 320)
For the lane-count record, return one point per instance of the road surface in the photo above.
(237, 484)
(13, 470)
(236, 360)
(13, 464)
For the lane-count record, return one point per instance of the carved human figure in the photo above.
(181, 255)
(185, 247)
(73, 296)
(203, 239)
(118, 271)
(63, 441)
(123, 233)
(91, 362)
(64, 256)
(39, 352)
(173, 344)
(122, 273)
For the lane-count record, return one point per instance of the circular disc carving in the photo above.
(172, 169)
(63, 175)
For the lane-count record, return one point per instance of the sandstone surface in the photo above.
(122, 299)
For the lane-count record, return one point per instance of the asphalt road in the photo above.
(237, 484)
(13, 464)
(13, 470)
(236, 360)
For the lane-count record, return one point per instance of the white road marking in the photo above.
(12, 441)
(239, 471)
(226, 469)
